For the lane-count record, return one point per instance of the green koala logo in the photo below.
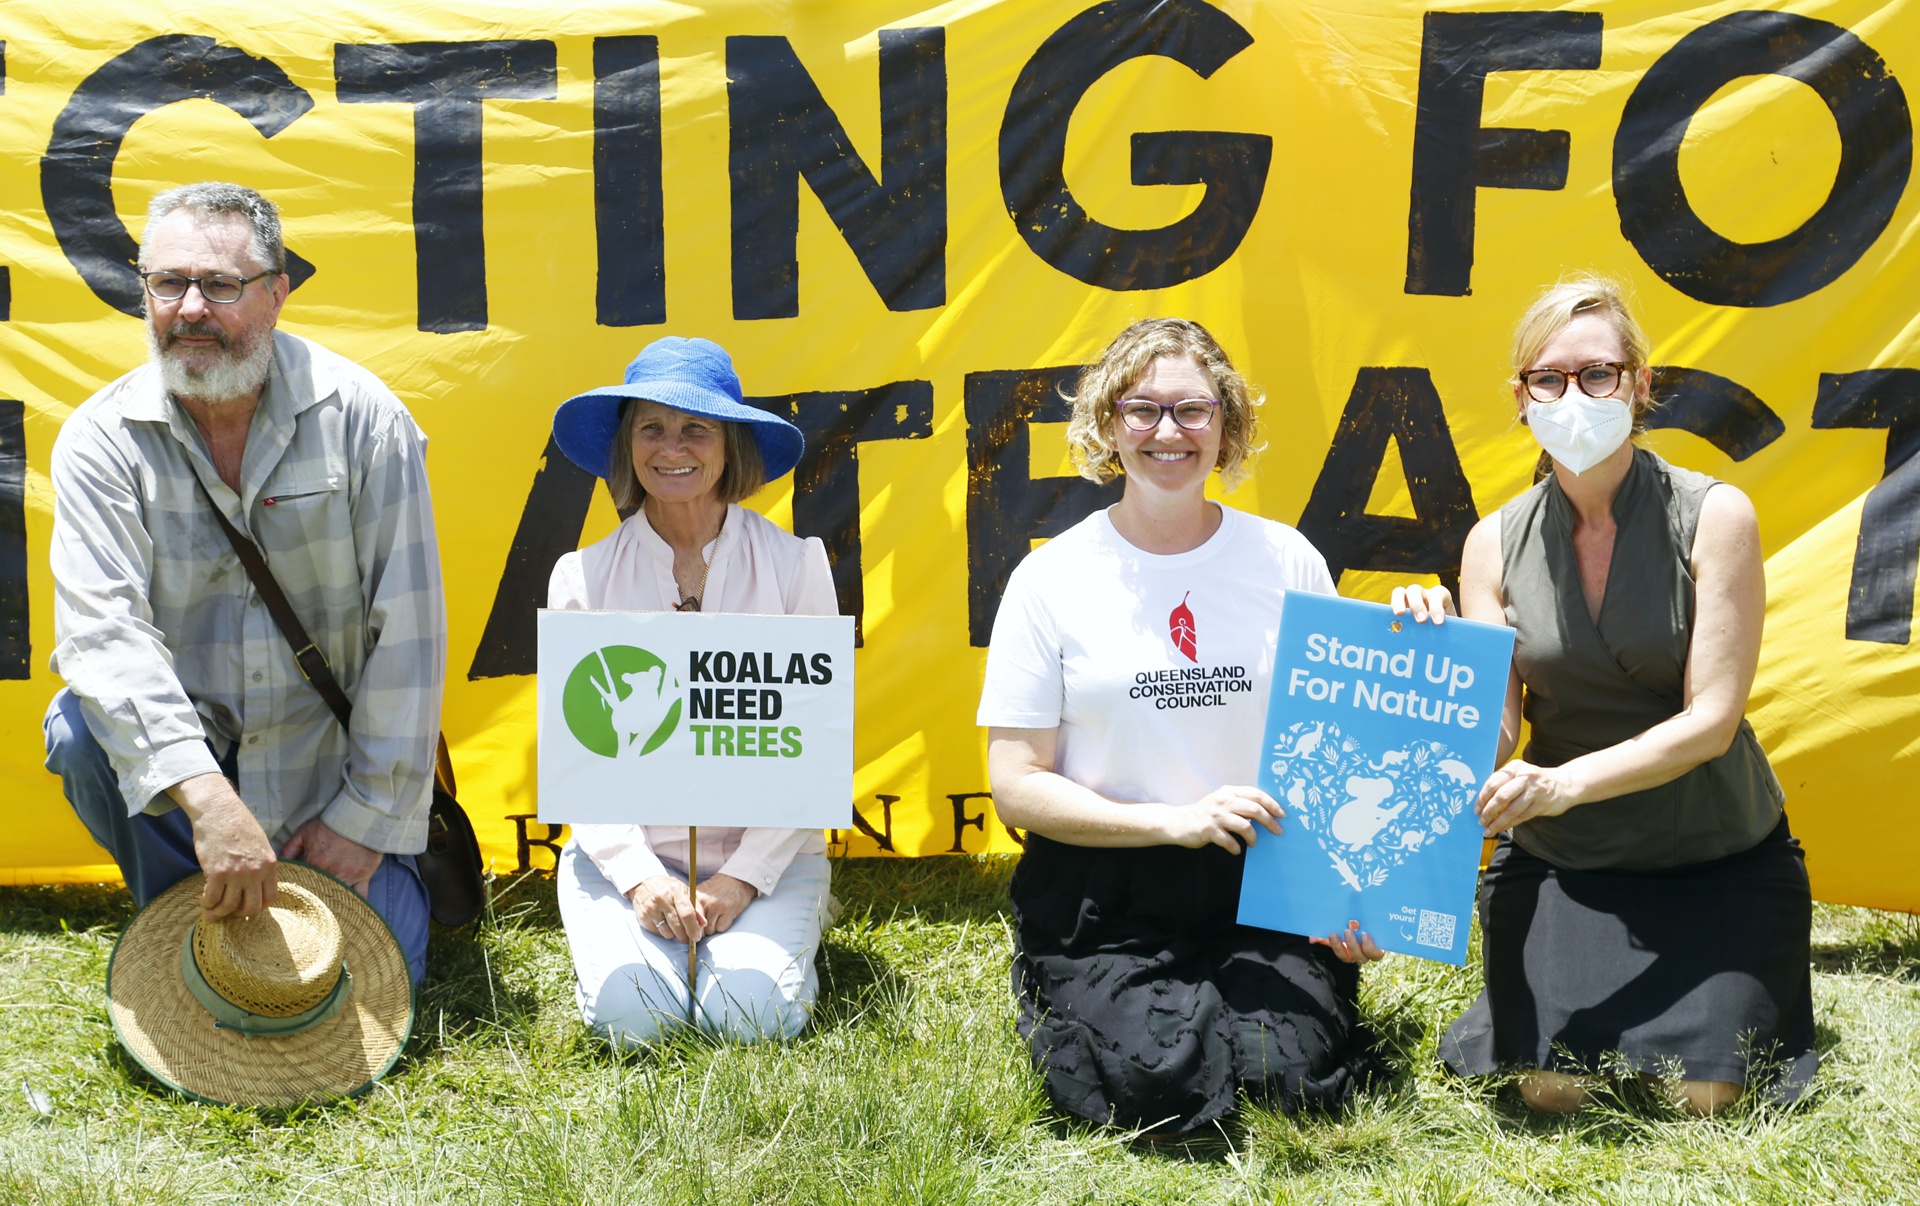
(616, 702)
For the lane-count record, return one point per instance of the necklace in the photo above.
(692, 602)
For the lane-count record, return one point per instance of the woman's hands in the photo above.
(1224, 817)
(1520, 791)
(1350, 945)
(663, 908)
(1426, 603)
(722, 899)
(1028, 794)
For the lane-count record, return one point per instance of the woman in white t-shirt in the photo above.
(1125, 691)
(680, 448)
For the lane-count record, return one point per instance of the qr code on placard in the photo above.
(1436, 929)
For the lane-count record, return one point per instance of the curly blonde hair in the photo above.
(1090, 433)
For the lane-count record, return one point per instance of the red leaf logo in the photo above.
(1180, 626)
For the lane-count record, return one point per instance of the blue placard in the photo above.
(1379, 734)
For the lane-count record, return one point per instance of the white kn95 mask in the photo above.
(1579, 431)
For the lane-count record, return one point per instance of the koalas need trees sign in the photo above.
(664, 718)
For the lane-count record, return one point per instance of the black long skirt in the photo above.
(1145, 1005)
(1699, 972)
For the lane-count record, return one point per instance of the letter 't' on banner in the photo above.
(445, 83)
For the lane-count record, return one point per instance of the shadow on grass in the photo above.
(59, 908)
(856, 983)
(464, 988)
(1400, 1039)
(943, 889)
(1887, 944)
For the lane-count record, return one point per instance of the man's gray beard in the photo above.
(231, 377)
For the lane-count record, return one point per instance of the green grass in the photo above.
(910, 1088)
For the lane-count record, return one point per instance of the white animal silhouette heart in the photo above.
(1362, 817)
(1368, 814)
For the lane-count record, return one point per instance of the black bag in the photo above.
(450, 866)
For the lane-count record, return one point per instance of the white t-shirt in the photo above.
(1154, 668)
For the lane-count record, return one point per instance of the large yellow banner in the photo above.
(909, 227)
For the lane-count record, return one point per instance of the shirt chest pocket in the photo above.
(304, 515)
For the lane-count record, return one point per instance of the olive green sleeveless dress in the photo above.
(1666, 930)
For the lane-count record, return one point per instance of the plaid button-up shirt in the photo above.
(161, 634)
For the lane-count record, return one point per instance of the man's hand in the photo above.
(342, 858)
(232, 848)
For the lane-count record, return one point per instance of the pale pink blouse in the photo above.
(757, 569)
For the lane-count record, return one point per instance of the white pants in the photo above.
(756, 981)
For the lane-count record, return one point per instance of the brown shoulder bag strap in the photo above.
(306, 654)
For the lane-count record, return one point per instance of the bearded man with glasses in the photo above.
(188, 737)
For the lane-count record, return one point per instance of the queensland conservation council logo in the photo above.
(621, 702)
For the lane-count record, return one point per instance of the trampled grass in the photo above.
(910, 1088)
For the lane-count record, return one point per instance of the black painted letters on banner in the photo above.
(780, 129)
(826, 484)
(1007, 507)
(549, 528)
(1398, 404)
(1886, 557)
(16, 648)
(1876, 157)
(1720, 411)
(445, 82)
(76, 174)
(629, 208)
(1033, 149)
(1454, 155)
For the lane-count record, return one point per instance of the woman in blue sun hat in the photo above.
(680, 448)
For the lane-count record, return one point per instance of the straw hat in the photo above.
(307, 1001)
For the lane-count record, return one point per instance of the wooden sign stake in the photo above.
(693, 898)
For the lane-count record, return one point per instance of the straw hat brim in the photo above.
(170, 1034)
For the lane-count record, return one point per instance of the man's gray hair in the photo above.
(214, 199)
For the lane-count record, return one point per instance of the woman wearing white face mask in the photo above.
(1647, 908)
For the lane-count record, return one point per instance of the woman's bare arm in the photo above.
(1480, 585)
(1029, 794)
(1730, 603)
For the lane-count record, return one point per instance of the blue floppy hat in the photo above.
(691, 375)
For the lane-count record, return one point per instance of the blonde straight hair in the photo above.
(1561, 303)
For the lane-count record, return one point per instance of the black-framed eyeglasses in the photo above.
(219, 289)
(1144, 414)
(1595, 380)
